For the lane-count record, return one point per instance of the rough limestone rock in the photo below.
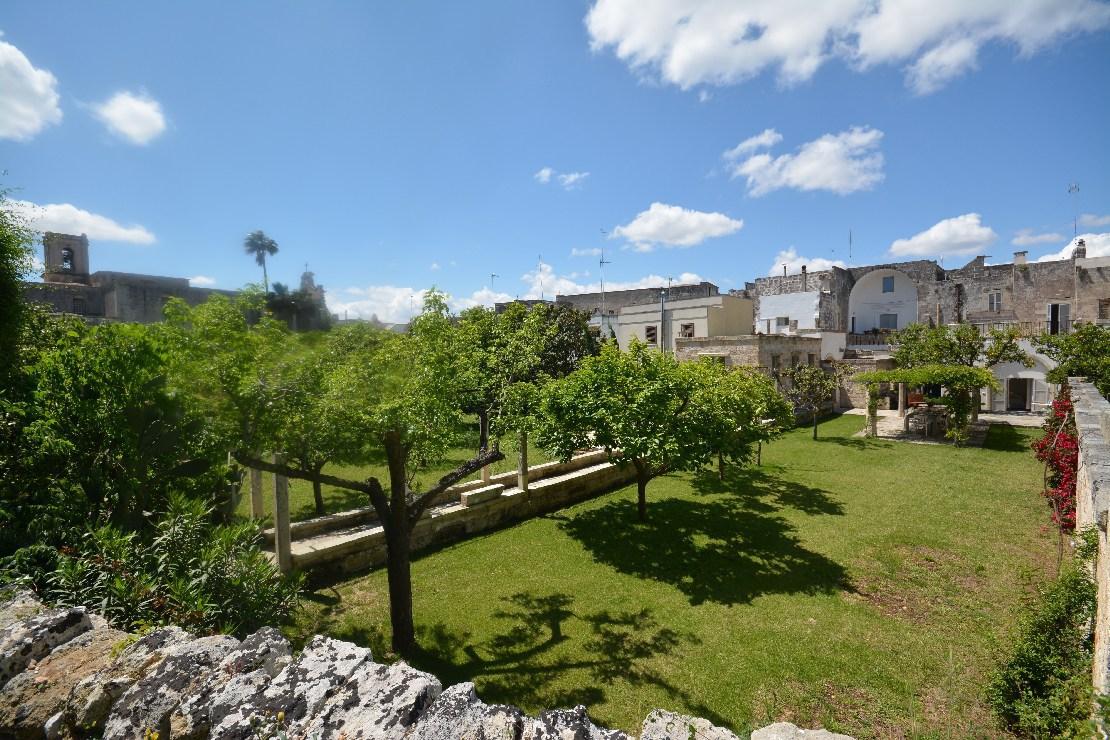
(93, 696)
(15, 606)
(245, 672)
(35, 637)
(300, 690)
(378, 702)
(459, 713)
(662, 725)
(787, 731)
(39, 693)
(567, 724)
(148, 704)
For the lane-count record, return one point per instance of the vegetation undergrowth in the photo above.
(1043, 690)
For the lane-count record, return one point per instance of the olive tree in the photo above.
(810, 387)
(748, 410)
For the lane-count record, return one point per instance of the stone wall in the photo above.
(66, 673)
(615, 299)
(1092, 491)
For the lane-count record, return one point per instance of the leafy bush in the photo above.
(1044, 689)
(189, 573)
(1058, 449)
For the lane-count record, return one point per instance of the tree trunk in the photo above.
(483, 440)
(641, 497)
(815, 423)
(398, 534)
(317, 494)
(720, 466)
(265, 277)
(976, 402)
(399, 572)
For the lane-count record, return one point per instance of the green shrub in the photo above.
(1044, 689)
(190, 573)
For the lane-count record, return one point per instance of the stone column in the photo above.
(281, 519)
(902, 399)
(522, 468)
(257, 511)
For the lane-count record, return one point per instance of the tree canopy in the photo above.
(1084, 352)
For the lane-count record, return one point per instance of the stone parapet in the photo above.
(1092, 507)
(98, 680)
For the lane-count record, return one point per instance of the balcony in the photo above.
(1026, 329)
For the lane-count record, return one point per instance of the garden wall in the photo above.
(66, 673)
(1092, 492)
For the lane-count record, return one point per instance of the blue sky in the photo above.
(396, 146)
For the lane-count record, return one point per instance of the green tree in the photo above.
(643, 407)
(747, 410)
(809, 387)
(1085, 352)
(261, 246)
(404, 400)
(961, 344)
(15, 263)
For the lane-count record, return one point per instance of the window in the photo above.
(994, 301)
(782, 321)
(794, 360)
(888, 284)
(774, 364)
(1104, 308)
(67, 260)
(651, 334)
(888, 321)
(812, 359)
(79, 306)
(686, 331)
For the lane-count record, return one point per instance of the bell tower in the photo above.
(66, 257)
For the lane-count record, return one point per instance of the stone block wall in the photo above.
(1092, 491)
(66, 673)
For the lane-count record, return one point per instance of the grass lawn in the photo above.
(861, 585)
(302, 505)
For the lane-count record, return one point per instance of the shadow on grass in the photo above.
(336, 501)
(1006, 438)
(727, 548)
(521, 664)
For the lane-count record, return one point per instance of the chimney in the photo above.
(784, 270)
(803, 278)
(1080, 251)
(1019, 258)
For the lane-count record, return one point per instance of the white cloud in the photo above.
(397, 304)
(763, 140)
(202, 281)
(841, 163)
(1098, 245)
(434, 266)
(1027, 238)
(721, 42)
(704, 96)
(28, 96)
(136, 117)
(1090, 219)
(69, 219)
(571, 180)
(674, 226)
(591, 252)
(794, 262)
(953, 236)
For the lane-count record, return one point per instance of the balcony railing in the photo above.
(1026, 329)
(871, 339)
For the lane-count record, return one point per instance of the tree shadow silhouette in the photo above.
(726, 548)
(1005, 438)
(516, 666)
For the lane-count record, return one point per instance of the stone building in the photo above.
(604, 307)
(664, 322)
(865, 304)
(69, 287)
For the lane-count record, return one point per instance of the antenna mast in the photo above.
(849, 247)
(1073, 189)
(601, 272)
(539, 272)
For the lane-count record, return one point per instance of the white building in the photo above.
(660, 324)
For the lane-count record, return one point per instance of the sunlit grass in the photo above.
(864, 586)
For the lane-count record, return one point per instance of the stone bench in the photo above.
(481, 495)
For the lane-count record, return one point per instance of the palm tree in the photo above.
(260, 245)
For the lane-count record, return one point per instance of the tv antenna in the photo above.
(492, 276)
(539, 273)
(849, 247)
(1073, 189)
(604, 324)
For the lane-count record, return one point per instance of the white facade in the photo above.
(788, 313)
(1022, 388)
(882, 299)
(660, 324)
